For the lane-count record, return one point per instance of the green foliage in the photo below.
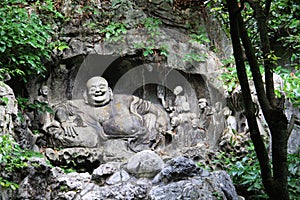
(147, 49)
(294, 175)
(59, 45)
(25, 105)
(12, 158)
(216, 9)
(245, 173)
(284, 31)
(46, 9)
(149, 46)
(164, 50)
(291, 84)
(23, 40)
(229, 76)
(285, 26)
(4, 100)
(114, 31)
(191, 57)
(152, 26)
(200, 37)
(68, 169)
(150, 49)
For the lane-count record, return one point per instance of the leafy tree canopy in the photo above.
(24, 38)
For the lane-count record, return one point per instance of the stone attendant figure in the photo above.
(231, 122)
(206, 113)
(41, 116)
(195, 135)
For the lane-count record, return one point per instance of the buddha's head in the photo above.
(97, 92)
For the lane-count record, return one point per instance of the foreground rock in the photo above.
(180, 178)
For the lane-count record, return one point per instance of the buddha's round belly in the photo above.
(122, 126)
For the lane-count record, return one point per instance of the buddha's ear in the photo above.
(85, 97)
(111, 94)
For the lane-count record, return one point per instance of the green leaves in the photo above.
(245, 172)
(200, 37)
(4, 100)
(191, 57)
(114, 31)
(291, 84)
(23, 39)
(12, 158)
(152, 26)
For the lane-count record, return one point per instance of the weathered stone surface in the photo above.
(84, 159)
(223, 181)
(178, 168)
(184, 180)
(100, 174)
(144, 164)
(8, 109)
(130, 191)
(294, 139)
(43, 182)
(118, 177)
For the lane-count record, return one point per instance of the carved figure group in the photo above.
(186, 128)
(102, 116)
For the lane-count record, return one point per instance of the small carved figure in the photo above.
(231, 122)
(195, 134)
(175, 122)
(206, 113)
(186, 115)
(43, 94)
(41, 116)
(161, 95)
(179, 100)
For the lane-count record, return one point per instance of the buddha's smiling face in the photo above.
(98, 92)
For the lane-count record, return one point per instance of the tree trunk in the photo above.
(276, 184)
(278, 128)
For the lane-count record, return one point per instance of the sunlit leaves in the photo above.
(291, 84)
(114, 31)
(23, 41)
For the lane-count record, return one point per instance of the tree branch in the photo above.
(291, 126)
(261, 152)
(261, 19)
(267, 8)
(254, 67)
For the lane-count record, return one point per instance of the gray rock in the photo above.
(100, 174)
(178, 168)
(184, 180)
(118, 177)
(222, 179)
(45, 183)
(145, 164)
(182, 190)
(128, 191)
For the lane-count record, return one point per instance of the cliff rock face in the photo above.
(139, 46)
(164, 97)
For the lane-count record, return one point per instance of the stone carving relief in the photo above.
(87, 130)
(41, 117)
(188, 131)
(102, 119)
